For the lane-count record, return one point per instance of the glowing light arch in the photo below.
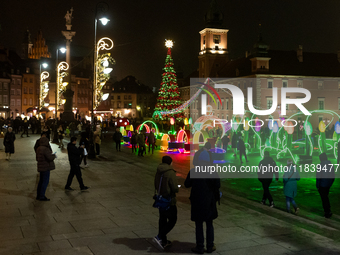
(153, 123)
(140, 127)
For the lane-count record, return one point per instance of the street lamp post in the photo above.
(100, 70)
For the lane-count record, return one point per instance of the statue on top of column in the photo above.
(68, 18)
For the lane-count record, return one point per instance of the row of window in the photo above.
(125, 97)
(31, 80)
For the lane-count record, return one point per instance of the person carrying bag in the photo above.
(165, 200)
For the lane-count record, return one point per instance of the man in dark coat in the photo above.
(117, 137)
(45, 159)
(265, 175)
(242, 149)
(9, 143)
(151, 141)
(234, 143)
(225, 141)
(25, 127)
(324, 181)
(203, 197)
(74, 157)
(166, 184)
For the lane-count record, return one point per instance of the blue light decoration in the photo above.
(275, 127)
(337, 127)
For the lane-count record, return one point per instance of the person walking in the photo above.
(141, 143)
(151, 141)
(203, 197)
(74, 157)
(9, 142)
(242, 149)
(166, 183)
(61, 135)
(97, 140)
(45, 164)
(134, 141)
(25, 127)
(225, 141)
(324, 181)
(234, 143)
(290, 179)
(117, 137)
(265, 175)
(84, 142)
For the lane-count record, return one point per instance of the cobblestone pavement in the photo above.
(116, 217)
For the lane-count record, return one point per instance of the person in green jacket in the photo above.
(290, 178)
(166, 179)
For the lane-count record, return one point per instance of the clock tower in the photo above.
(213, 51)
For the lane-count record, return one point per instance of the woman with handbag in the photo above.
(203, 197)
(167, 187)
(9, 143)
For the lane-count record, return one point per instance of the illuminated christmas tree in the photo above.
(168, 95)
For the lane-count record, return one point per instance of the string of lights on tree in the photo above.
(168, 96)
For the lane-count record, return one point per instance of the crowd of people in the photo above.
(205, 191)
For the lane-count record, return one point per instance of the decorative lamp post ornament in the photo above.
(102, 71)
(43, 88)
(61, 85)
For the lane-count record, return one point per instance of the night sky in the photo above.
(139, 28)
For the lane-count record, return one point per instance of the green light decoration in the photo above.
(151, 122)
(308, 128)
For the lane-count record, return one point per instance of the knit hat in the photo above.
(204, 156)
(167, 159)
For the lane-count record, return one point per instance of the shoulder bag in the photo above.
(161, 202)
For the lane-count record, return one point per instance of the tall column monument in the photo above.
(68, 94)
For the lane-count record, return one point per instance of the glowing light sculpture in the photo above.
(322, 137)
(43, 88)
(102, 72)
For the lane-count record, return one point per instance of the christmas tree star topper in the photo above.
(169, 43)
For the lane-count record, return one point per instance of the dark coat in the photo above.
(134, 139)
(117, 136)
(9, 142)
(169, 186)
(325, 178)
(37, 144)
(151, 138)
(268, 174)
(44, 156)
(204, 195)
(234, 141)
(74, 154)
